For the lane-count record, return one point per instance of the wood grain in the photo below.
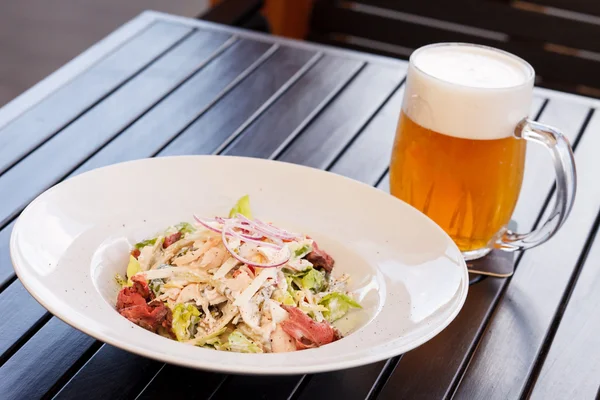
(190, 384)
(258, 387)
(369, 155)
(219, 124)
(33, 370)
(131, 372)
(157, 128)
(344, 118)
(285, 119)
(15, 325)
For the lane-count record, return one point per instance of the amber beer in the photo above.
(455, 156)
(469, 187)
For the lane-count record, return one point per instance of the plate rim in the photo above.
(233, 369)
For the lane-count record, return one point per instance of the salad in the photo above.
(235, 284)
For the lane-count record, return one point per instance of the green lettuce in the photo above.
(312, 280)
(120, 280)
(241, 207)
(144, 243)
(210, 339)
(185, 227)
(302, 251)
(184, 317)
(132, 268)
(241, 344)
(155, 285)
(338, 304)
(284, 298)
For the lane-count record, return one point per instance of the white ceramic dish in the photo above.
(410, 277)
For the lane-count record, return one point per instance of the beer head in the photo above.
(468, 91)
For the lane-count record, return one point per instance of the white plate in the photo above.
(69, 242)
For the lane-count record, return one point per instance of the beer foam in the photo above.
(468, 91)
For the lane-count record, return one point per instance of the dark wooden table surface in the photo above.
(162, 85)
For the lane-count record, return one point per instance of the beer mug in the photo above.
(459, 151)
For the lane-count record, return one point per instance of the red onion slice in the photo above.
(205, 223)
(270, 230)
(277, 263)
(244, 238)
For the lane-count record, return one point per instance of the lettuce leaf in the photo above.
(241, 344)
(185, 316)
(120, 280)
(302, 251)
(210, 339)
(338, 304)
(132, 268)
(185, 227)
(241, 207)
(313, 280)
(284, 297)
(144, 243)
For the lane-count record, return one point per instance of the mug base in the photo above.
(475, 254)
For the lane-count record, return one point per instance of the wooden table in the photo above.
(162, 85)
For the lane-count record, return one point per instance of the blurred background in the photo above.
(39, 36)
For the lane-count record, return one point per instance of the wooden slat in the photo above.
(370, 154)
(258, 387)
(325, 138)
(82, 92)
(493, 15)
(173, 111)
(354, 383)
(132, 371)
(281, 122)
(411, 35)
(571, 369)
(219, 124)
(6, 270)
(448, 353)
(166, 120)
(178, 382)
(35, 368)
(385, 183)
(503, 362)
(99, 125)
(16, 325)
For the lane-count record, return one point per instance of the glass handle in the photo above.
(566, 185)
